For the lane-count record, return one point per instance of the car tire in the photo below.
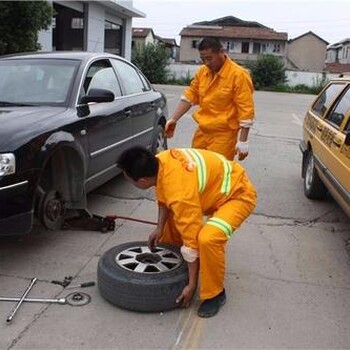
(313, 185)
(51, 210)
(132, 277)
(159, 142)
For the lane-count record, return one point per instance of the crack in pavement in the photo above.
(273, 257)
(297, 221)
(24, 331)
(272, 137)
(126, 198)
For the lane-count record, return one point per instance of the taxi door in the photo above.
(333, 153)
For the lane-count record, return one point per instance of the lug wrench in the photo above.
(56, 301)
(9, 318)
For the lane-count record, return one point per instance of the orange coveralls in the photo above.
(225, 105)
(192, 183)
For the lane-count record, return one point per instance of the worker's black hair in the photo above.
(138, 162)
(210, 43)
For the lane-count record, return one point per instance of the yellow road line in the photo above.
(190, 333)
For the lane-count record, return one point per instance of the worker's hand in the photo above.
(242, 148)
(170, 128)
(186, 296)
(154, 237)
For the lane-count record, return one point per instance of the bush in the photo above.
(268, 71)
(20, 22)
(297, 89)
(152, 60)
(185, 81)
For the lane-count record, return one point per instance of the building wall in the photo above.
(149, 39)
(332, 56)
(95, 19)
(344, 54)
(308, 53)
(180, 70)
(95, 15)
(234, 49)
(127, 38)
(45, 40)
(187, 52)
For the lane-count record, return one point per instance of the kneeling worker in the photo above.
(191, 183)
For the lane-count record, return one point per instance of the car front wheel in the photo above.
(159, 142)
(51, 209)
(313, 185)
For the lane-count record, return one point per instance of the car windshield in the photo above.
(36, 81)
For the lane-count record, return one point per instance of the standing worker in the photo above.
(191, 183)
(223, 90)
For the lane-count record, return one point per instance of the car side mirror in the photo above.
(97, 96)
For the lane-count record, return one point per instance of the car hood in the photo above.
(19, 124)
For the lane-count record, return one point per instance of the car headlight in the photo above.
(7, 164)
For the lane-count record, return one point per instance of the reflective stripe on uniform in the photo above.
(222, 225)
(226, 181)
(201, 167)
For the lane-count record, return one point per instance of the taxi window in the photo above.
(342, 108)
(326, 98)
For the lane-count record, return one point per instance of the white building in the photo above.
(97, 26)
(339, 52)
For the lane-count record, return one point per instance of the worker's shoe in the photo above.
(210, 307)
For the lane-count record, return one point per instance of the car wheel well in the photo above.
(305, 156)
(64, 171)
(162, 121)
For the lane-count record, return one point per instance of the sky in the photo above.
(329, 19)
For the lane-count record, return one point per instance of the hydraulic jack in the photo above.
(92, 222)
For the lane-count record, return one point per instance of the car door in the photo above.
(108, 125)
(331, 151)
(338, 157)
(140, 99)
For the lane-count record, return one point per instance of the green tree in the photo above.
(268, 71)
(20, 23)
(152, 60)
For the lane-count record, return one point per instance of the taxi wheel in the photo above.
(133, 277)
(313, 185)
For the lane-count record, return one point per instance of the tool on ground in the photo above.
(67, 280)
(72, 299)
(31, 300)
(82, 285)
(20, 301)
(78, 299)
(114, 217)
(91, 222)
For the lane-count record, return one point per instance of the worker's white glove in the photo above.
(242, 148)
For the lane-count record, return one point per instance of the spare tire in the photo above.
(133, 277)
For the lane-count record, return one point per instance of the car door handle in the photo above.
(127, 112)
(319, 127)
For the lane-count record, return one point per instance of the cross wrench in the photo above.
(9, 318)
(57, 301)
(72, 299)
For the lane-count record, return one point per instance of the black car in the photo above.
(64, 119)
